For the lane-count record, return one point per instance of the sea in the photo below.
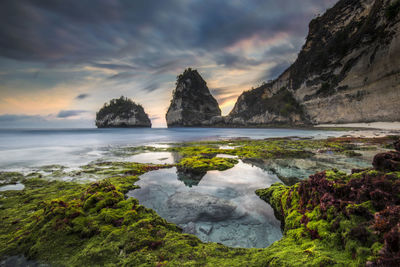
(24, 148)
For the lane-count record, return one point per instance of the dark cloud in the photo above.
(221, 91)
(82, 96)
(275, 71)
(38, 121)
(122, 76)
(80, 31)
(7, 118)
(69, 113)
(233, 60)
(151, 87)
(113, 66)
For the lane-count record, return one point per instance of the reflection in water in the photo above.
(221, 207)
(190, 179)
(303, 168)
(152, 157)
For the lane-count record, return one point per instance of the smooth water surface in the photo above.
(221, 207)
(13, 187)
(76, 147)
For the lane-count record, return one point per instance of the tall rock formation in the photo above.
(347, 71)
(122, 113)
(192, 103)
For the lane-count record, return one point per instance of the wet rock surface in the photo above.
(185, 207)
(388, 161)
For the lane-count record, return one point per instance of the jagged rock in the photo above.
(387, 161)
(190, 228)
(192, 103)
(122, 113)
(206, 229)
(347, 71)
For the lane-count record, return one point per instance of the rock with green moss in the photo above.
(332, 218)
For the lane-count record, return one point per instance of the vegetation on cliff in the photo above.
(122, 112)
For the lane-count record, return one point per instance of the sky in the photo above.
(60, 61)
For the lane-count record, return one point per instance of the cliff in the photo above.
(260, 106)
(192, 102)
(122, 113)
(347, 71)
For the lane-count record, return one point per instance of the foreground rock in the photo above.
(122, 113)
(355, 216)
(192, 103)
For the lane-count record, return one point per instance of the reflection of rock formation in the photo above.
(185, 207)
(189, 178)
(292, 170)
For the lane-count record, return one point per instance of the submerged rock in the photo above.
(192, 103)
(122, 113)
(186, 207)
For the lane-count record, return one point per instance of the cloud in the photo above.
(155, 117)
(139, 47)
(114, 66)
(39, 121)
(78, 31)
(69, 113)
(7, 118)
(151, 87)
(82, 96)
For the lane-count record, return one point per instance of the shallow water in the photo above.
(221, 207)
(14, 187)
(75, 147)
(303, 168)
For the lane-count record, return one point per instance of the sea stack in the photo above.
(192, 103)
(122, 113)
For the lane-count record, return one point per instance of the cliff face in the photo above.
(347, 71)
(261, 106)
(122, 113)
(192, 102)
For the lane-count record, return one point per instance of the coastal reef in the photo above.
(330, 218)
(122, 113)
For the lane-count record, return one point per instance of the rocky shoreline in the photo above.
(69, 224)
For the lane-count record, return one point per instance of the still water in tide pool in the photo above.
(220, 207)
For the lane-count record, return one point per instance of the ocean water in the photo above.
(76, 147)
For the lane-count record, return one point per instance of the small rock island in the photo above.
(192, 103)
(122, 113)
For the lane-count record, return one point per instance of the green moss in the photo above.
(202, 164)
(74, 224)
